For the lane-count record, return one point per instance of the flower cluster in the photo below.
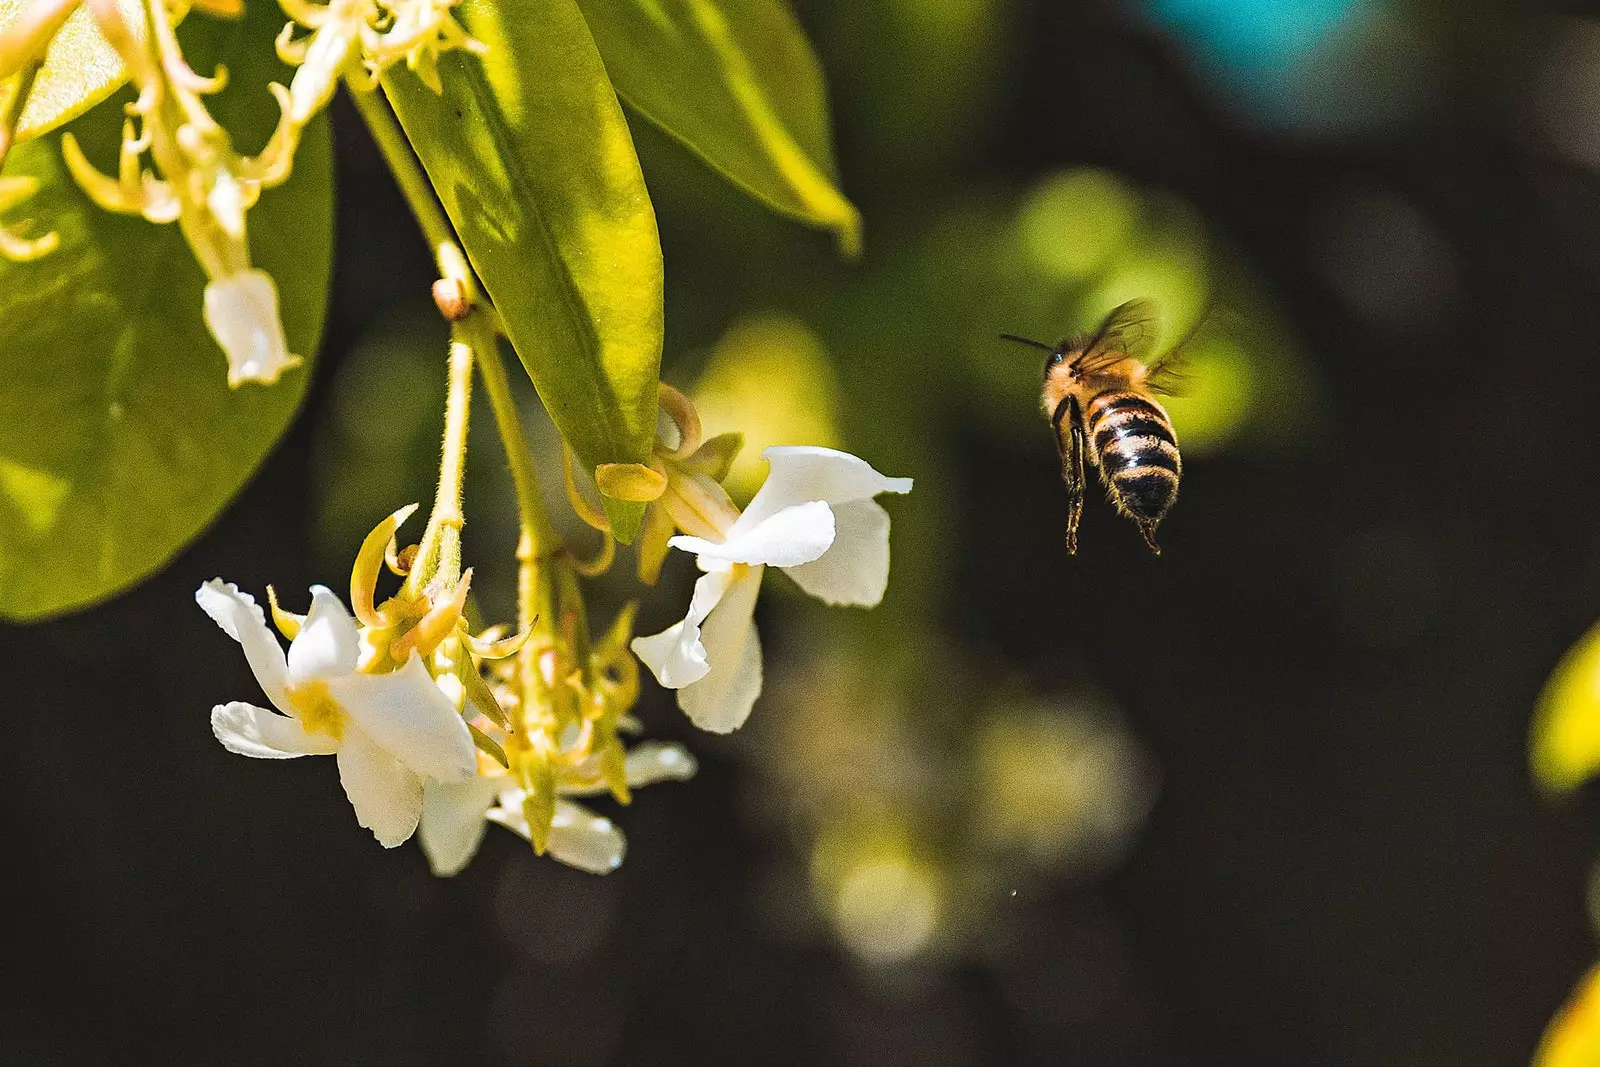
(814, 518)
(397, 694)
(196, 180)
(177, 162)
(565, 742)
(440, 731)
(359, 40)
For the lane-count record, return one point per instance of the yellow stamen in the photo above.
(369, 560)
(438, 624)
(485, 646)
(319, 713)
(588, 512)
(651, 544)
(681, 410)
(288, 622)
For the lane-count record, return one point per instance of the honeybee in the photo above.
(1100, 397)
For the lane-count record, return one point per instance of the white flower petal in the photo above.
(580, 838)
(386, 794)
(252, 731)
(675, 655)
(855, 571)
(805, 472)
(721, 701)
(659, 761)
(453, 821)
(788, 538)
(241, 619)
(408, 714)
(328, 643)
(241, 311)
(508, 813)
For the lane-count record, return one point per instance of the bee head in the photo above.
(1056, 357)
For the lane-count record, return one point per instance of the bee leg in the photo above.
(1147, 530)
(1072, 474)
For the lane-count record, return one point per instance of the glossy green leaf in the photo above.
(531, 157)
(737, 82)
(79, 71)
(119, 437)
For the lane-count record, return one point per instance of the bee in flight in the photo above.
(1100, 397)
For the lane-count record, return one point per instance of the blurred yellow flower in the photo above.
(1565, 746)
(1573, 1036)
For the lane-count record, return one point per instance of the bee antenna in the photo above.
(1025, 341)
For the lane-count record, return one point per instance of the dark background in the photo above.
(1333, 664)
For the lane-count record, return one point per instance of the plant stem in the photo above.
(542, 593)
(439, 554)
(408, 173)
(477, 330)
(547, 593)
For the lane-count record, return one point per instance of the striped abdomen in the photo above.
(1137, 453)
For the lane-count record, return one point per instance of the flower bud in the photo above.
(241, 311)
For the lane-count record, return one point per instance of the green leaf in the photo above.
(79, 71)
(737, 82)
(119, 437)
(531, 157)
(1565, 746)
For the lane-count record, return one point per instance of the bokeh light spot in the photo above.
(1169, 269)
(1566, 726)
(887, 909)
(1073, 222)
(1252, 33)
(770, 378)
(1216, 397)
(1064, 788)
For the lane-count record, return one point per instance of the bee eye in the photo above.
(1056, 359)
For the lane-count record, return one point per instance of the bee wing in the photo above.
(1128, 332)
(1169, 374)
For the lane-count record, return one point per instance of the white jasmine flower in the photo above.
(578, 837)
(361, 39)
(815, 518)
(389, 732)
(455, 814)
(241, 311)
